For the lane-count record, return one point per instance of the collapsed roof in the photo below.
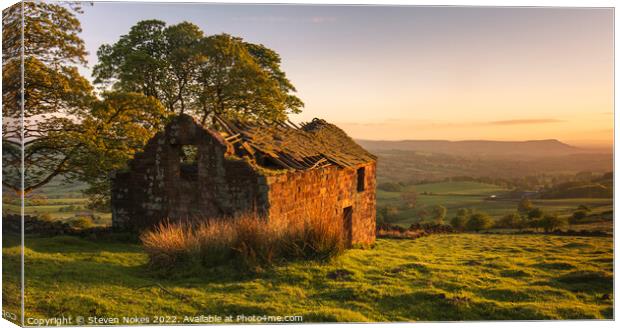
(284, 145)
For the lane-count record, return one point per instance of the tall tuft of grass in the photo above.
(214, 239)
(248, 241)
(169, 243)
(313, 240)
(256, 242)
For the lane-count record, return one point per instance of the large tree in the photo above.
(201, 75)
(242, 81)
(154, 60)
(68, 132)
(55, 94)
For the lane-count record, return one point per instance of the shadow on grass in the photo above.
(585, 281)
(436, 306)
(83, 287)
(10, 239)
(92, 262)
(75, 244)
(554, 266)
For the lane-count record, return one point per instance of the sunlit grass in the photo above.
(441, 277)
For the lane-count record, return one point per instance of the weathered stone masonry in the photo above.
(189, 172)
(326, 192)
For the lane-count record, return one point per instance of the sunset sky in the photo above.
(401, 72)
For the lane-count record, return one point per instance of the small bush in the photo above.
(578, 216)
(479, 221)
(249, 242)
(552, 222)
(458, 222)
(45, 217)
(81, 222)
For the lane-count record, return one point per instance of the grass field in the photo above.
(441, 277)
(59, 209)
(455, 195)
(460, 188)
(58, 196)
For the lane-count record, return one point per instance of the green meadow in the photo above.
(435, 278)
(455, 195)
(59, 209)
(440, 277)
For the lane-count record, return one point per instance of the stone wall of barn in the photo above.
(158, 186)
(326, 192)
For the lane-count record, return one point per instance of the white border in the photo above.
(504, 3)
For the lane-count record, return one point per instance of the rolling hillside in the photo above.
(532, 148)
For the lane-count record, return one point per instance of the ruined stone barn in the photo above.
(272, 170)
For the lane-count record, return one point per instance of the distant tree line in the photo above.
(526, 216)
(427, 214)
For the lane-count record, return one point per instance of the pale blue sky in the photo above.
(420, 72)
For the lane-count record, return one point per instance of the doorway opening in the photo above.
(347, 225)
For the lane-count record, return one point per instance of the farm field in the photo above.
(455, 195)
(60, 209)
(59, 201)
(452, 195)
(440, 277)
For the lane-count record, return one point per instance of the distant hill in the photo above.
(532, 148)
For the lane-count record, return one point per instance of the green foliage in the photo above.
(464, 212)
(73, 135)
(235, 82)
(387, 214)
(57, 95)
(512, 221)
(535, 224)
(535, 213)
(154, 60)
(197, 74)
(45, 217)
(82, 222)
(438, 213)
(458, 222)
(70, 133)
(118, 126)
(479, 221)
(578, 216)
(552, 222)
